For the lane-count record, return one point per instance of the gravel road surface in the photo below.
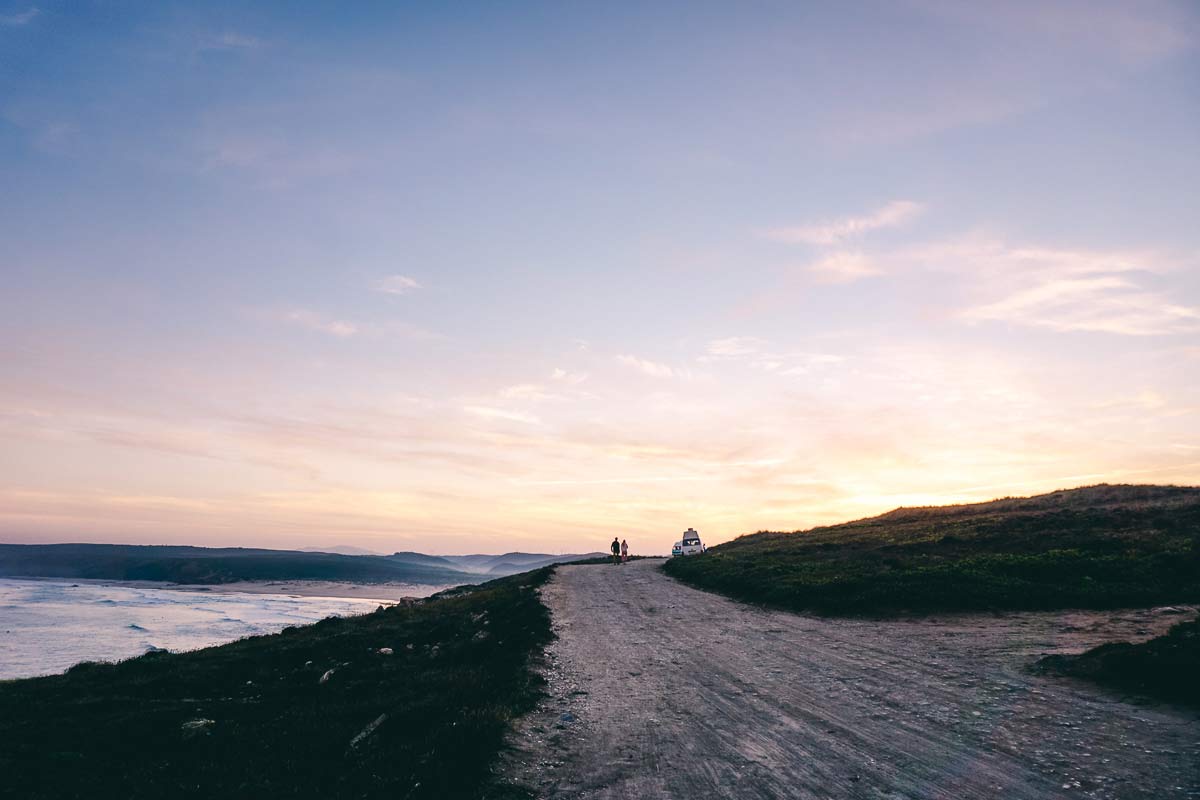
(660, 690)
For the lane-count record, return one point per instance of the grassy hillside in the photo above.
(313, 712)
(212, 565)
(1095, 547)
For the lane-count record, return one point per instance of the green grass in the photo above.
(460, 672)
(1096, 547)
(1164, 668)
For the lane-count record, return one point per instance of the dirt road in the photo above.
(659, 690)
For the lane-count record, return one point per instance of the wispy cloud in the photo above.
(1133, 33)
(47, 131)
(639, 479)
(808, 362)
(735, 346)
(319, 322)
(273, 160)
(652, 368)
(980, 255)
(572, 378)
(1106, 304)
(830, 232)
(758, 354)
(17, 20)
(1146, 400)
(1058, 289)
(230, 40)
(844, 267)
(397, 284)
(502, 414)
(343, 328)
(528, 391)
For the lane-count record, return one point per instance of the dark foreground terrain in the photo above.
(1165, 668)
(658, 690)
(312, 712)
(1095, 547)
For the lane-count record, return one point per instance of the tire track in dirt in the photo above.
(661, 690)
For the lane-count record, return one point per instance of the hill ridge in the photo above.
(1100, 546)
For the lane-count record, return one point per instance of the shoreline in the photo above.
(381, 592)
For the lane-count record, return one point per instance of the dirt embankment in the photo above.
(659, 690)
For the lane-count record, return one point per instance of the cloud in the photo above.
(397, 284)
(1053, 288)
(572, 378)
(1135, 34)
(639, 479)
(758, 354)
(528, 391)
(501, 413)
(1105, 304)
(274, 160)
(230, 40)
(56, 137)
(844, 267)
(1057, 289)
(807, 362)
(344, 329)
(319, 322)
(47, 132)
(406, 330)
(831, 232)
(978, 254)
(18, 20)
(652, 368)
(735, 346)
(1147, 400)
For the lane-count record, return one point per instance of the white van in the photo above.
(690, 545)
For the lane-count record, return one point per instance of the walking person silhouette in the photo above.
(616, 550)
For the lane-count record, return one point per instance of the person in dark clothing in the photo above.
(616, 550)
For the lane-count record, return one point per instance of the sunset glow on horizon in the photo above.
(523, 277)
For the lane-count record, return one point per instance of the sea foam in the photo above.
(46, 626)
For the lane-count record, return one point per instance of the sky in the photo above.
(479, 277)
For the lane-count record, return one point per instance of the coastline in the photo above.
(383, 592)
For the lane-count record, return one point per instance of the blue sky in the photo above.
(478, 276)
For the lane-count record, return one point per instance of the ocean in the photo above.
(47, 626)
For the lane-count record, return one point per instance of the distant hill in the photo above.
(1095, 547)
(215, 565)
(507, 563)
(426, 560)
(341, 549)
(206, 565)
